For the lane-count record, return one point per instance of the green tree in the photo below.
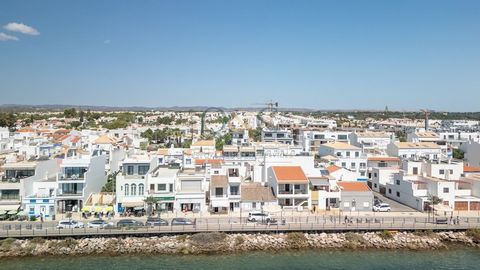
(223, 140)
(167, 120)
(150, 201)
(255, 134)
(458, 154)
(7, 120)
(75, 124)
(70, 113)
(111, 182)
(147, 134)
(81, 114)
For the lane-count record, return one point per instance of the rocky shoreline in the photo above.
(216, 243)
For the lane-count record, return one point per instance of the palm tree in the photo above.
(434, 200)
(150, 201)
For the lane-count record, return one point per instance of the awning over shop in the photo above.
(9, 207)
(319, 181)
(441, 207)
(132, 204)
(219, 203)
(163, 199)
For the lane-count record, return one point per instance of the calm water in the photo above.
(453, 259)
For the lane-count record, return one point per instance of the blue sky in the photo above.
(313, 54)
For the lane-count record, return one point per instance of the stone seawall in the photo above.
(211, 243)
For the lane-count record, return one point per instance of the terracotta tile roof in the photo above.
(412, 145)
(255, 192)
(218, 181)
(289, 173)
(75, 139)
(62, 131)
(25, 130)
(162, 151)
(341, 146)
(208, 161)
(204, 143)
(383, 159)
(353, 186)
(471, 169)
(105, 139)
(332, 168)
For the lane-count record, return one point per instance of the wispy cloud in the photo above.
(21, 28)
(5, 37)
(106, 41)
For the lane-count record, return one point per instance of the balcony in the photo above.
(302, 191)
(70, 194)
(9, 197)
(71, 177)
(10, 180)
(218, 196)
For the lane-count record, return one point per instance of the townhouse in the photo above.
(257, 197)
(81, 175)
(191, 188)
(290, 185)
(417, 150)
(17, 179)
(355, 196)
(420, 180)
(371, 142)
(161, 186)
(381, 170)
(311, 140)
(347, 156)
(325, 194)
(131, 182)
(277, 135)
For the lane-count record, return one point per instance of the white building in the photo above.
(371, 142)
(472, 153)
(289, 185)
(418, 181)
(428, 150)
(347, 156)
(131, 182)
(81, 175)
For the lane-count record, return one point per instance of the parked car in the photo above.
(259, 216)
(155, 221)
(69, 224)
(129, 223)
(99, 223)
(441, 220)
(182, 221)
(382, 207)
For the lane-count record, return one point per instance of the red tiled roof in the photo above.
(75, 139)
(208, 161)
(353, 186)
(471, 169)
(333, 168)
(289, 173)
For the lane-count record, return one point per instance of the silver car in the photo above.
(99, 223)
(69, 224)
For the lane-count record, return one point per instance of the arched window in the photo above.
(141, 190)
(126, 190)
(134, 190)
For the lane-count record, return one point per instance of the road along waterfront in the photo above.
(237, 225)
